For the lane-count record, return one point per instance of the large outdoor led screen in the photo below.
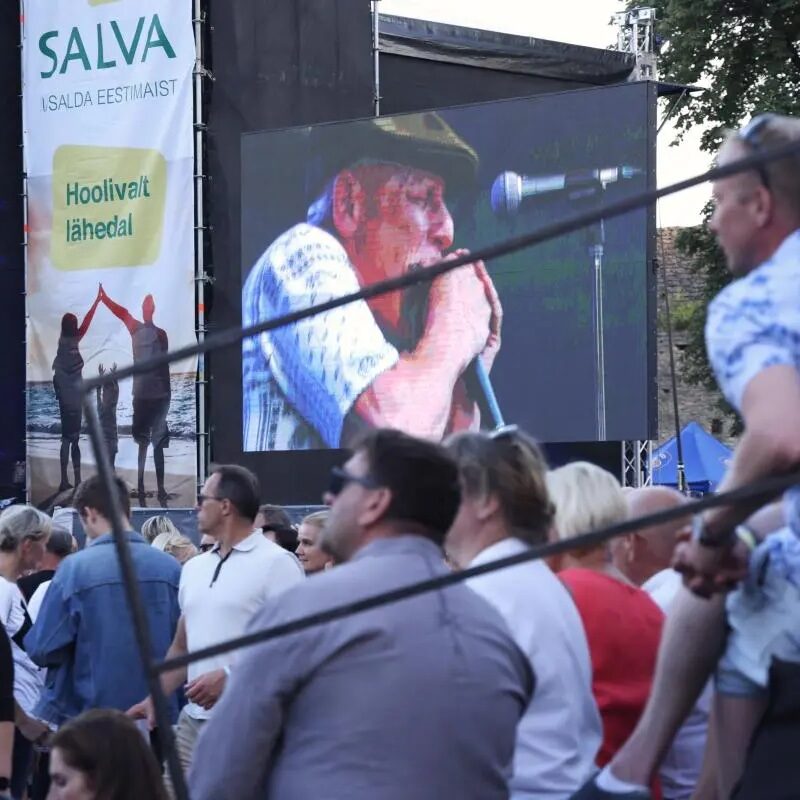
(557, 332)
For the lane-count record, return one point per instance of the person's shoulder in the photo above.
(302, 249)
(153, 558)
(595, 589)
(663, 587)
(8, 591)
(343, 583)
(274, 556)
(200, 564)
(580, 577)
(265, 548)
(768, 291)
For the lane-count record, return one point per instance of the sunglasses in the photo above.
(340, 478)
(752, 135)
(204, 548)
(201, 498)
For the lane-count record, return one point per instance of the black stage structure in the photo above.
(276, 66)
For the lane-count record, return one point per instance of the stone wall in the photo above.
(695, 403)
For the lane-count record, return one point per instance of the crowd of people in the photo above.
(661, 664)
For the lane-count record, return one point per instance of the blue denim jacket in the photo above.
(84, 633)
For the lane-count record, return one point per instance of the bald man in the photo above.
(645, 558)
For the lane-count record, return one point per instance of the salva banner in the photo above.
(107, 88)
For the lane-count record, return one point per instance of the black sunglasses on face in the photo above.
(201, 498)
(340, 478)
(752, 135)
(204, 548)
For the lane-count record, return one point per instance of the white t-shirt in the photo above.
(681, 767)
(219, 596)
(35, 603)
(559, 735)
(28, 678)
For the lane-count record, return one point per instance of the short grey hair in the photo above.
(153, 526)
(176, 545)
(21, 522)
(784, 173)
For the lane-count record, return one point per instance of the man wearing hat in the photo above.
(398, 360)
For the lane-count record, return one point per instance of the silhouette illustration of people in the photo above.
(151, 389)
(107, 400)
(67, 379)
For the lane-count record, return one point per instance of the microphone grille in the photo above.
(506, 194)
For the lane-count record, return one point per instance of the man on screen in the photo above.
(398, 360)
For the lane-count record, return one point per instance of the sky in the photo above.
(584, 22)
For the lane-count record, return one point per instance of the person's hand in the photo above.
(101, 369)
(33, 730)
(459, 312)
(492, 347)
(464, 412)
(708, 570)
(206, 690)
(143, 710)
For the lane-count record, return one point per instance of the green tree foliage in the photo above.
(747, 54)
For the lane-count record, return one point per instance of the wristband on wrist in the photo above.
(703, 537)
(746, 536)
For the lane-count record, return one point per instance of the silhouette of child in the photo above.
(107, 399)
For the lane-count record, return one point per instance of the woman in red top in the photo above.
(622, 623)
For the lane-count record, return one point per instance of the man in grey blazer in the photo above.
(419, 698)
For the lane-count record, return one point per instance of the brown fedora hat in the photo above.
(423, 141)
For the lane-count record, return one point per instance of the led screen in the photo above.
(552, 338)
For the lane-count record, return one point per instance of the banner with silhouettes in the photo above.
(107, 97)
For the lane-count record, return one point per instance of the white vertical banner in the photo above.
(107, 98)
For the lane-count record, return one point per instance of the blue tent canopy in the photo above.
(706, 460)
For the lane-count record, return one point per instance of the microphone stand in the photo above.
(596, 236)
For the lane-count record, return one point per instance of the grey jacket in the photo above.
(419, 698)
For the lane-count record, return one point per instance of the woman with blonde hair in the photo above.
(175, 544)
(622, 623)
(155, 525)
(24, 531)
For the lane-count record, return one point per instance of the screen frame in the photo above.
(293, 477)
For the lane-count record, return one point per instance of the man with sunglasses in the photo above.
(418, 698)
(753, 342)
(220, 591)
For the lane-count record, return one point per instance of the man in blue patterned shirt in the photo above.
(384, 362)
(753, 342)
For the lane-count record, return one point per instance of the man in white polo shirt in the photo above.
(220, 591)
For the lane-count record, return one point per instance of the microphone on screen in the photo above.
(510, 189)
